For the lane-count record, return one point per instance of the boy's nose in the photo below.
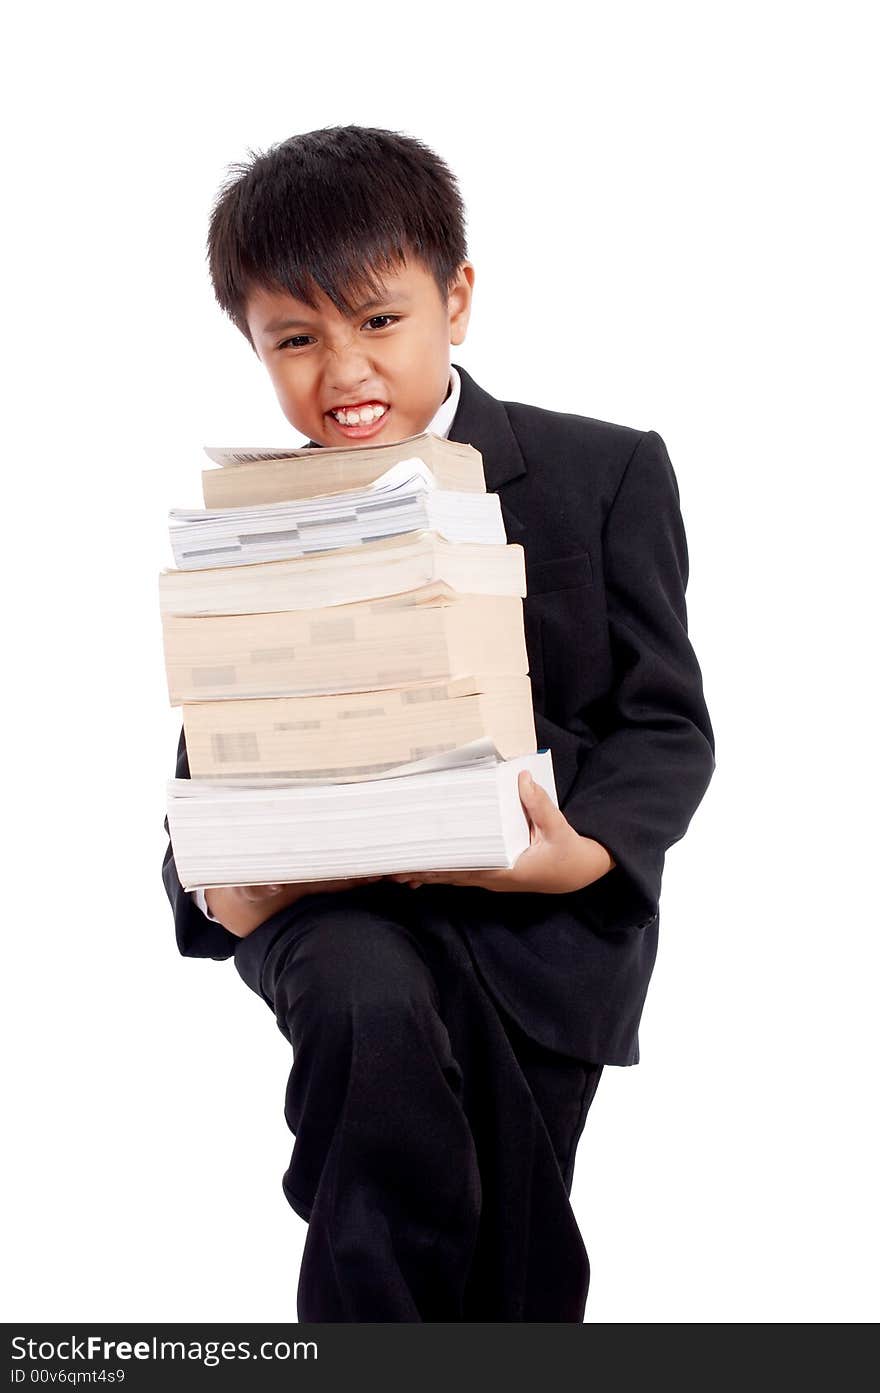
(348, 370)
(350, 391)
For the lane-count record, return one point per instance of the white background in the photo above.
(669, 216)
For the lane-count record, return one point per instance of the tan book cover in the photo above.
(249, 476)
(396, 641)
(356, 733)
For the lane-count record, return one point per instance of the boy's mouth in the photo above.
(359, 419)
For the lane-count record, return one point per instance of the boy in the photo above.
(449, 1030)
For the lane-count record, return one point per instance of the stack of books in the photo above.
(344, 633)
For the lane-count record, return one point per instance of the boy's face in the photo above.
(393, 353)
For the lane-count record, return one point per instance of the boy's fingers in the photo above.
(259, 892)
(539, 806)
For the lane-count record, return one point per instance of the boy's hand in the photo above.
(256, 894)
(557, 861)
(243, 908)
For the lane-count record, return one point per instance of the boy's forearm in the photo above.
(241, 916)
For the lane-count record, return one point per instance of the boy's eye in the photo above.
(299, 340)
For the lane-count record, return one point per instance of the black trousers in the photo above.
(435, 1142)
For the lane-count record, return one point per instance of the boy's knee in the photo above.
(360, 971)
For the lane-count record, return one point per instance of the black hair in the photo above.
(328, 209)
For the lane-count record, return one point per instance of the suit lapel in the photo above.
(481, 420)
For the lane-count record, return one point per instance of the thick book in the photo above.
(406, 498)
(356, 733)
(345, 575)
(252, 475)
(468, 817)
(426, 635)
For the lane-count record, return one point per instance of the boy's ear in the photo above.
(459, 303)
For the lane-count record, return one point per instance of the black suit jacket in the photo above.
(618, 699)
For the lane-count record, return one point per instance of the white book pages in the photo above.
(468, 817)
(404, 499)
(406, 475)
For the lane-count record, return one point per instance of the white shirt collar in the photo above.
(441, 422)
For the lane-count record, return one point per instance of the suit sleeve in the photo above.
(639, 784)
(197, 936)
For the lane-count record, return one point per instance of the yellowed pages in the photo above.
(356, 733)
(359, 647)
(248, 476)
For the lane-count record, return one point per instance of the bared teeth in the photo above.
(362, 416)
